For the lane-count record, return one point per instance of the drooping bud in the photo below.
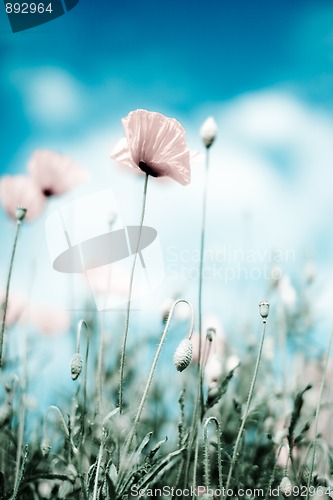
(20, 213)
(211, 332)
(208, 131)
(183, 355)
(45, 447)
(286, 487)
(264, 308)
(76, 365)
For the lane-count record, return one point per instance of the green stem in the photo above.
(197, 418)
(199, 397)
(18, 225)
(99, 461)
(128, 310)
(152, 370)
(219, 450)
(22, 470)
(84, 409)
(22, 413)
(322, 385)
(247, 408)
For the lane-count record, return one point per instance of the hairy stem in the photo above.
(321, 391)
(128, 310)
(247, 408)
(5, 305)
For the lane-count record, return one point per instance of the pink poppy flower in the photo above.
(21, 190)
(155, 144)
(55, 173)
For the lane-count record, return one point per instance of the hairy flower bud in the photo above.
(208, 131)
(45, 447)
(183, 355)
(264, 308)
(20, 213)
(76, 365)
(286, 487)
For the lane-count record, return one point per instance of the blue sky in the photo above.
(169, 56)
(263, 69)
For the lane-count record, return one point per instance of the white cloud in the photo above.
(51, 96)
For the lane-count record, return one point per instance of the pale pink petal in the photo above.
(157, 145)
(122, 154)
(21, 190)
(54, 172)
(108, 280)
(213, 369)
(47, 319)
(205, 347)
(15, 307)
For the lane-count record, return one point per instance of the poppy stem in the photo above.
(235, 454)
(318, 408)
(197, 414)
(5, 305)
(152, 371)
(128, 310)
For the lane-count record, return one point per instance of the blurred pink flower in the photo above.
(15, 307)
(54, 172)
(21, 190)
(218, 343)
(213, 369)
(47, 319)
(108, 280)
(155, 144)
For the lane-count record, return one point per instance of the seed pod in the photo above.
(76, 365)
(45, 447)
(183, 355)
(264, 308)
(210, 334)
(208, 131)
(20, 213)
(286, 487)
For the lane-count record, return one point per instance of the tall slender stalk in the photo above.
(247, 409)
(199, 398)
(128, 310)
(100, 358)
(219, 453)
(98, 466)
(5, 305)
(321, 391)
(152, 370)
(22, 411)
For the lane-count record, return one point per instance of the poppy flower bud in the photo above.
(20, 213)
(286, 486)
(45, 447)
(264, 308)
(208, 131)
(76, 365)
(183, 355)
(211, 332)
